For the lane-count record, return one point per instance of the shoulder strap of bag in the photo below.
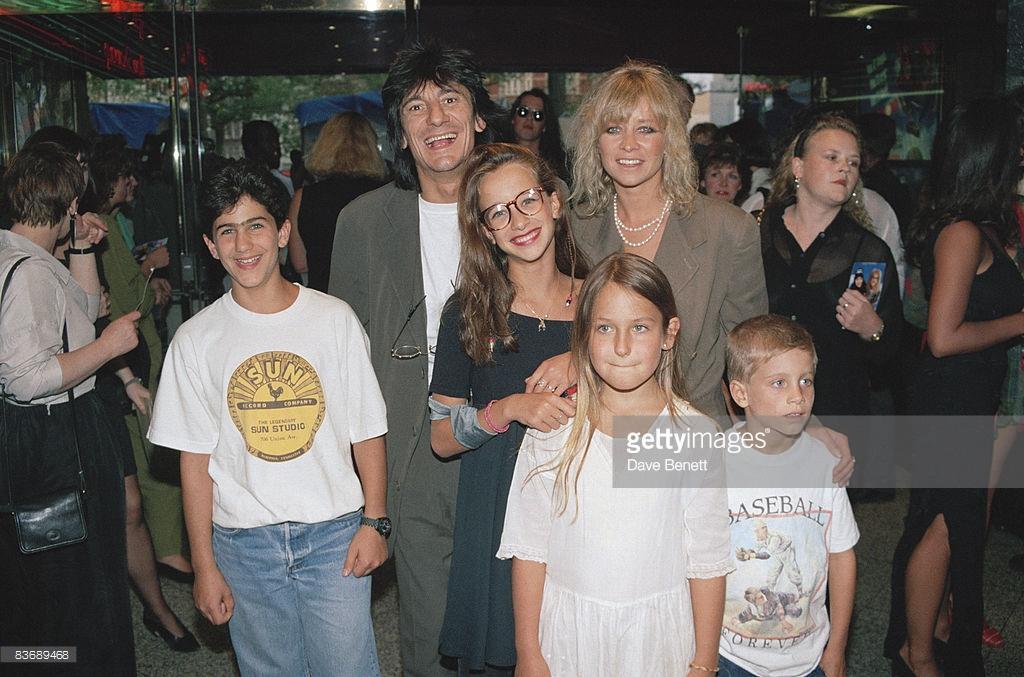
(3, 394)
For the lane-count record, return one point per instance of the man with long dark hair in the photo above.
(396, 256)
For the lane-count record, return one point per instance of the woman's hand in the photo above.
(158, 258)
(855, 313)
(541, 411)
(104, 304)
(121, 335)
(89, 228)
(140, 396)
(161, 290)
(838, 445)
(554, 375)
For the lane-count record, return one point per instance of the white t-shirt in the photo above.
(439, 256)
(775, 622)
(277, 399)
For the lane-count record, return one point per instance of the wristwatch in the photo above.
(382, 525)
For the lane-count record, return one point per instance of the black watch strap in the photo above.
(382, 525)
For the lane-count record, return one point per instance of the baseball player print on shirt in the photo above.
(276, 401)
(780, 566)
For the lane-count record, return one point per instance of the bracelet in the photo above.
(490, 423)
(877, 336)
(702, 668)
(88, 250)
(131, 381)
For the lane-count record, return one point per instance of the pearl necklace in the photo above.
(620, 226)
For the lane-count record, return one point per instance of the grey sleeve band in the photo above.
(465, 427)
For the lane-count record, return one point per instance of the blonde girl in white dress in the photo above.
(613, 581)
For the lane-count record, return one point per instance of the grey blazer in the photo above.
(376, 269)
(712, 258)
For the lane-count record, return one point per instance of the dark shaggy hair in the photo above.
(413, 68)
(236, 179)
(41, 183)
(551, 148)
(67, 139)
(974, 173)
(108, 165)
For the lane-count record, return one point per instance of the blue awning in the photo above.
(319, 111)
(131, 120)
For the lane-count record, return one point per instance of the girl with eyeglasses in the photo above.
(512, 308)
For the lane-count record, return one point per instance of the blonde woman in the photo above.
(347, 162)
(635, 191)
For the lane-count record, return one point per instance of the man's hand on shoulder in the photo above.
(366, 552)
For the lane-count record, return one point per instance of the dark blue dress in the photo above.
(478, 625)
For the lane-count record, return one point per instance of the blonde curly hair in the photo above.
(613, 100)
(784, 183)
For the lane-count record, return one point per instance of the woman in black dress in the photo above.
(346, 160)
(975, 298)
(511, 310)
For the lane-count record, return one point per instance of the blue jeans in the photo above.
(295, 614)
(727, 668)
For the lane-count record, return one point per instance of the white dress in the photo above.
(616, 597)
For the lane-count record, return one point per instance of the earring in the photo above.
(796, 182)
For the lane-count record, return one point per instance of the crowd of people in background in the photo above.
(489, 305)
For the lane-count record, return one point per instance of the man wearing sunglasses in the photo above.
(395, 259)
(535, 125)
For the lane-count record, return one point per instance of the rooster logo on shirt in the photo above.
(276, 402)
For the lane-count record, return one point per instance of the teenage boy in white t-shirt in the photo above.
(792, 542)
(270, 396)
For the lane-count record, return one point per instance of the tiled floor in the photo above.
(880, 526)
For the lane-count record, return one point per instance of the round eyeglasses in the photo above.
(499, 216)
(526, 111)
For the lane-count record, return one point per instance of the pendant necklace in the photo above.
(541, 326)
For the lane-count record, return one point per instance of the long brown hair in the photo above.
(613, 100)
(484, 292)
(784, 185)
(641, 277)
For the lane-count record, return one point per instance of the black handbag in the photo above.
(57, 519)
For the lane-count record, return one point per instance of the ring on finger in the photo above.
(846, 304)
(542, 383)
(551, 388)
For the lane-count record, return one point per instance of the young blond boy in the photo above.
(792, 542)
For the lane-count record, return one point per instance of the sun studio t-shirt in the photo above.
(775, 621)
(276, 399)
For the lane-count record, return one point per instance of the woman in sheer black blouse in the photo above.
(813, 231)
